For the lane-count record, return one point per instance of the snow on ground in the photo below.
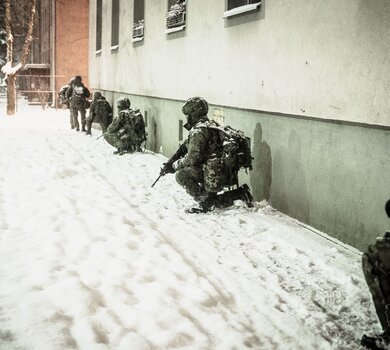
(92, 257)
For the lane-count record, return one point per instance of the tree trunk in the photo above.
(11, 95)
(8, 69)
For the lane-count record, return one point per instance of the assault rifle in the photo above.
(181, 151)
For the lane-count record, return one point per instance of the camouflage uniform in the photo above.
(99, 112)
(77, 94)
(376, 269)
(138, 126)
(201, 170)
(65, 102)
(202, 142)
(120, 133)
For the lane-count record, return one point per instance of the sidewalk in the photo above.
(92, 257)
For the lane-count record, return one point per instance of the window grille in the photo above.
(138, 29)
(138, 20)
(176, 15)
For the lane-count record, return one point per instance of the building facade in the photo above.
(306, 81)
(59, 49)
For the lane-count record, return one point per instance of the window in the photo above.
(98, 25)
(138, 20)
(176, 15)
(115, 25)
(235, 7)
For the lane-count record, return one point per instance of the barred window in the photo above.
(98, 25)
(139, 20)
(115, 24)
(176, 15)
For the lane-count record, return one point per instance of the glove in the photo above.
(168, 168)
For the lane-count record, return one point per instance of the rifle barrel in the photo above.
(156, 180)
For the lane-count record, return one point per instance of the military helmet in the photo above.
(97, 95)
(195, 107)
(123, 103)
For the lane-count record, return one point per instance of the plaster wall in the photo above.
(322, 59)
(332, 176)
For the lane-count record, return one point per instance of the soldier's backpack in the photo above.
(139, 125)
(235, 155)
(103, 111)
(236, 152)
(62, 93)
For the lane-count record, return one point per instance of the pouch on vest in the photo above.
(214, 174)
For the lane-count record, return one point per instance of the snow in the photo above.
(92, 257)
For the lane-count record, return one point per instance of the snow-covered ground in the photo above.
(92, 257)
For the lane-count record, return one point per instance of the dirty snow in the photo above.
(92, 257)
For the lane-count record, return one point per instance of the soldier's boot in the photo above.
(227, 198)
(83, 128)
(381, 341)
(206, 204)
(247, 196)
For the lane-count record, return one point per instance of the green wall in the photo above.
(333, 176)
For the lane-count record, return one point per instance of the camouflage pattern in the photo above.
(99, 112)
(202, 144)
(214, 174)
(120, 133)
(138, 126)
(376, 269)
(77, 94)
(65, 102)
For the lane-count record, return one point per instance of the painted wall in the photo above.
(326, 59)
(307, 81)
(72, 40)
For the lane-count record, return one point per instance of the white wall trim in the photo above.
(241, 9)
(176, 29)
(134, 40)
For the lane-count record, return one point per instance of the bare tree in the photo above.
(9, 69)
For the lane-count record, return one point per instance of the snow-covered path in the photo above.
(91, 257)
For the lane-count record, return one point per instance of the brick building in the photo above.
(59, 50)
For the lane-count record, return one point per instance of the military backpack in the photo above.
(103, 111)
(235, 154)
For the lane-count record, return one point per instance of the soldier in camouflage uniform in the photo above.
(64, 102)
(99, 112)
(202, 150)
(120, 133)
(376, 269)
(77, 95)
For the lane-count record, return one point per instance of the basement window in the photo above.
(176, 16)
(138, 20)
(236, 7)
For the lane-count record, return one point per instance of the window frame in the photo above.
(181, 25)
(138, 28)
(240, 9)
(115, 16)
(99, 26)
